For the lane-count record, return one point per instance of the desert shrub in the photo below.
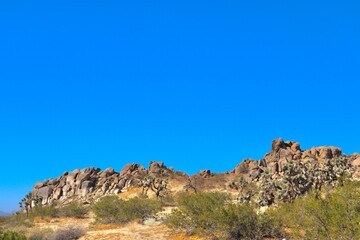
(111, 209)
(44, 211)
(213, 215)
(142, 208)
(70, 233)
(73, 209)
(332, 216)
(240, 221)
(10, 235)
(108, 210)
(37, 236)
(196, 213)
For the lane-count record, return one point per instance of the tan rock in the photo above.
(356, 162)
(205, 173)
(277, 144)
(295, 147)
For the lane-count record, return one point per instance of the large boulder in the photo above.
(356, 162)
(71, 177)
(44, 192)
(277, 144)
(107, 172)
(53, 181)
(246, 166)
(156, 167)
(133, 169)
(205, 173)
(38, 185)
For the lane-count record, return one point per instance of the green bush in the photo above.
(44, 211)
(73, 209)
(9, 235)
(240, 221)
(213, 215)
(196, 213)
(111, 209)
(335, 215)
(142, 208)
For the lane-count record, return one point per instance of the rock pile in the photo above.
(91, 183)
(282, 152)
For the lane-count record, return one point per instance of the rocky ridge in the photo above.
(283, 152)
(91, 183)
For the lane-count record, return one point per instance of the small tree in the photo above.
(29, 201)
(157, 185)
(192, 184)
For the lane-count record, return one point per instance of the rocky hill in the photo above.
(89, 184)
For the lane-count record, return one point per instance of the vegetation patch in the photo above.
(111, 209)
(10, 235)
(72, 233)
(214, 215)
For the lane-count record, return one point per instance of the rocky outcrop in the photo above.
(281, 152)
(87, 184)
(91, 183)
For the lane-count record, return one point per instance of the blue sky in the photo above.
(197, 84)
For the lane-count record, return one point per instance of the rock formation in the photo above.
(91, 183)
(282, 152)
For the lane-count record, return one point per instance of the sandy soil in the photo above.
(132, 231)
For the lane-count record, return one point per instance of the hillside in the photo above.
(89, 184)
(258, 199)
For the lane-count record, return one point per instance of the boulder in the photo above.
(295, 147)
(128, 169)
(205, 173)
(83, 176)
(70, 178)
(57, 194)
(107, 172)
(245, 166)
(255, 173)
(133, 169)
(356, 162)
(336, 152)
(285, 153)
(273, 168)
(44, 192)
(325, 153)
(156, 167)
(53, 181)
(38, 185)
(277, 144)
(86, 188)
(87, 184)
(262, 163)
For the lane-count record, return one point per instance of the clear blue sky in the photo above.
(197, 84)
